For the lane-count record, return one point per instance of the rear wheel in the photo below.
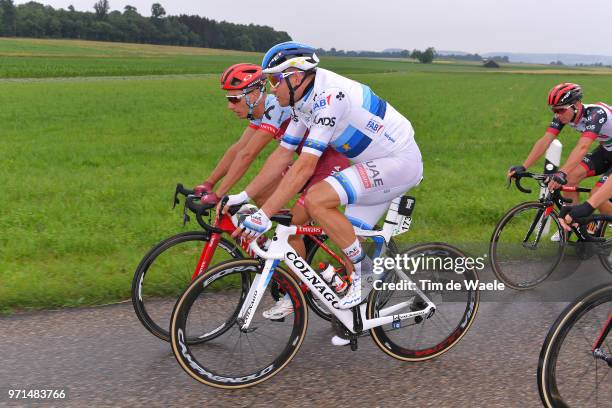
(425, 337)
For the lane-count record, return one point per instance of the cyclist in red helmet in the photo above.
(247, 98)
(593, 121)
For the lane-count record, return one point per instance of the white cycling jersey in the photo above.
(351, 118)
(348, 116)
(274, 119)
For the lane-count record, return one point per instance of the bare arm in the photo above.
(577, 154)
(229, 156)
(243, 160)
(291, 184)
(539, 149)
(271, 171)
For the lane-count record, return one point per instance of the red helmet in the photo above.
(242, 76)
(564, 94)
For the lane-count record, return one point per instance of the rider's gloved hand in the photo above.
(203, 188)
(516, 169)
(255, 224)
(556, 180)
(235, 199)
(209, 198)
(571, 212)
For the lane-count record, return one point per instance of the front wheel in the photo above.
(237, 358)
(570, 373)
(166, 270)
(527, 245)
(426, 336)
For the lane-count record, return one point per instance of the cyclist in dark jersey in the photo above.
(593, 121)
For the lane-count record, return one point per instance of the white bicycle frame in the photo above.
(281, 250)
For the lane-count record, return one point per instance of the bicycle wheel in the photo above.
(426, 337)
(569, 375)
(526, 246)
(237, 358)
(605, 250)
(165, 271)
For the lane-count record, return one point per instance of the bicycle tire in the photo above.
(558, 333)
(606, 260)
(464, 315)
(503, 269)
(219, 351)
(156, 324)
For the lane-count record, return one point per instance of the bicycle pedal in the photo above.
(354, 343)
(282, 319)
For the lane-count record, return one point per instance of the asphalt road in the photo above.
(103, 357)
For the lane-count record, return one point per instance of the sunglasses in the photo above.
(561, 109)
(275, 79)
(234, 99)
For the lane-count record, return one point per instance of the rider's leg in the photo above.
(367, 184)
(300, 217)
(573, 179)
(606, 206)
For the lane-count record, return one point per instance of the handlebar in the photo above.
(541, 179)
(193, 203)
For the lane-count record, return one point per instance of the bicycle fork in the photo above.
(598, 352)
(538, 224)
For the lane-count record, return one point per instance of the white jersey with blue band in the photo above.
(273, 116)
(351, 118)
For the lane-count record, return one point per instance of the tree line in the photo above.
(36, 20)
(424, 57)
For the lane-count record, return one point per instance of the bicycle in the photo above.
(256, 349)
(168, 268)
(578, 351)
(528, 243)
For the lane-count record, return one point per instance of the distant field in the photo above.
(88, 167)
(37, 58)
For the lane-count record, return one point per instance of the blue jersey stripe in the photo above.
(351, 142)
(346, 185)
(372, 103)
(358, 223)
(314, 144)
(292, 140)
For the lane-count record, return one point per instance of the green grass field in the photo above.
(88, 166)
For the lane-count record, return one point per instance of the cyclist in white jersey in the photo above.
(594, 122)
(348, 116)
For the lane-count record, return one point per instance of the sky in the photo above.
(475, 26)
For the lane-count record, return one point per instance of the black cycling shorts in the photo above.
(597, 162)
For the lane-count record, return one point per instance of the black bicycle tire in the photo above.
(546, 375)
(401, 353)
(139, 275)
(495, 238)
(181, 310)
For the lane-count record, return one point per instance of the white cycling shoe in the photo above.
(282, 308)
(555, 237)
(353, 295)
(339, 341)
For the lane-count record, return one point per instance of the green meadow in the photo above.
(88, 165)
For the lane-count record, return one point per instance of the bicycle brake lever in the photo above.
(176, 199)
(186, 217)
